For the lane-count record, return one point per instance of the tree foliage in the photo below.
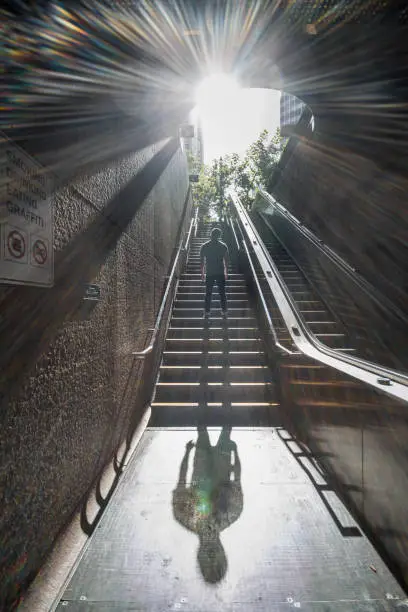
(245, 174)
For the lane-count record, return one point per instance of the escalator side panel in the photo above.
(360, 437)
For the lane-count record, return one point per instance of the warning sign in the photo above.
(39, 252)
(26, 254)
(15, 244)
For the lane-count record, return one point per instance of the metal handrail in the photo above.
(194, 223)
(262, 298)
(234, 233)
(142, 354)
(392, 382)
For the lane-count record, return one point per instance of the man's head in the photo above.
(216, 234)
(211, 554)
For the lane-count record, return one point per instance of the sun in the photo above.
(216, 93)
(231, 116)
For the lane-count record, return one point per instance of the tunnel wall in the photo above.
(355, 207)
(69, 382)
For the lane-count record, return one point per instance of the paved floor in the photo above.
(237, 526)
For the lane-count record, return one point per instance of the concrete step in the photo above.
(216, 357)
(198, 290)
(196, 311)
(176, 415)
(195, 284)
(213, 321)
(197, 276)
(213, 344)
(195, 294)
(214, 392)
(226, 332)
(180, 302)
(215, 374)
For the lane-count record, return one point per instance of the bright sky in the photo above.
(232, 118)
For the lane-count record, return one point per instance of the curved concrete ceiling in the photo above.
(123, 103)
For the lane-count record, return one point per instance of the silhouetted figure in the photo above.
(212, 501)
(214, 259)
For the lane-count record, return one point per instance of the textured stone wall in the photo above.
(69, 380)
(354, 206)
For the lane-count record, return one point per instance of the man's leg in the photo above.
(209, 282)
(202, 460)
(221, 289)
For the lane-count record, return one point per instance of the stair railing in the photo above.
(178, 263)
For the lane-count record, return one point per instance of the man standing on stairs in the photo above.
(214, 259)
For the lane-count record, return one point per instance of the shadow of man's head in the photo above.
(211, 554)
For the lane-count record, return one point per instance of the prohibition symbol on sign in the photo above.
(40, 252)
(16, 244)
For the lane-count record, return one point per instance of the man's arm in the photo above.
(184, 465)
(183, 496)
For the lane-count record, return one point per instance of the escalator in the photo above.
(339, 308)
(237, 497)
(323, 323)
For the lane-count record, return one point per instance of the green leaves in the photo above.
(244, 174)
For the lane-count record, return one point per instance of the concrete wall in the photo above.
(69, 380)
(354, 206)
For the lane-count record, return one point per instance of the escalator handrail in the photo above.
(181, 249)
(390, 381)
(271, 326)
(362, 284)
(234, 233)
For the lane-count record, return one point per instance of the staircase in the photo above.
(214, 370)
